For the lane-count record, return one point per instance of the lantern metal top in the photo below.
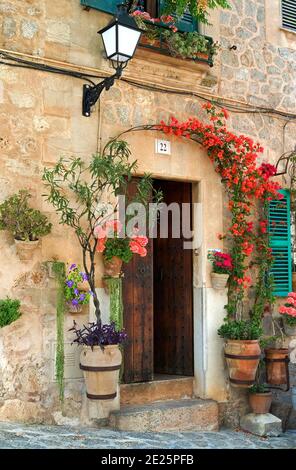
(121, 18)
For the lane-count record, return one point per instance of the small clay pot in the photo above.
(260, 402)
(113, 267)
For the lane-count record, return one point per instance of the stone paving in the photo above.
(15, 436)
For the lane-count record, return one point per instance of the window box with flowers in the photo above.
(163, 36)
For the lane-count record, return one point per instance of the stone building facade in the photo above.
(40, 120)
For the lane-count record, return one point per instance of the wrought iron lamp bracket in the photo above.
(91, 94)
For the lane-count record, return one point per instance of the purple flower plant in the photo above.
(73, 294)
(97, 334)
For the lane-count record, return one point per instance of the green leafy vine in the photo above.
(60, 274)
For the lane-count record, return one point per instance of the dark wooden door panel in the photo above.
(173, 294)
(138, 315)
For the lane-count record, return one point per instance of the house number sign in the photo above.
(163, 147)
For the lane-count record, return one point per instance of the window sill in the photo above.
(287, 31)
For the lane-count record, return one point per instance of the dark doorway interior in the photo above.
(158, 302)
(173, 297)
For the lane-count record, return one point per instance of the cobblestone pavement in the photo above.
(14, 436)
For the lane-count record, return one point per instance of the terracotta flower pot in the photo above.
(289, 330)
(260, 402)
(101, 368)
(113, 267)
(242, 357)
(219, 281)
(276, 365)
(25, 250)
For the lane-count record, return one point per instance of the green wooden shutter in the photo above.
(109, 6)
(280, 242)
(186, 24)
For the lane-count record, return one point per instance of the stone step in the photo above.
(157, 390)
(172, 415)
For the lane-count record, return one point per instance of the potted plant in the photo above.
(117, 247)
(189, 45)
(100, 358)
(222, 268)
(260, 398)
(288, 312)
(152, 27)
(76, 294)
(242, 350)
(26, 224)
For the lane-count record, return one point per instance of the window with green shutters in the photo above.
(280, 242)
(109, 6)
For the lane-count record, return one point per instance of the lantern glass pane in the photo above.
(127, 41)
(109, 39)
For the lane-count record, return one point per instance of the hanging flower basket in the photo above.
(219, 281)
(74, 308)
(112, 267)
(277, 360)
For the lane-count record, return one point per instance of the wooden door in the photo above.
(173, 294)
(138, 314)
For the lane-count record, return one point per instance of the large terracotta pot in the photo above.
(219, 281)
(113, 267)
(101, 368)
(260, 402)
(25, 249)
(242, 357)
(276, 365)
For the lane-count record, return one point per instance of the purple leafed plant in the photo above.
(97, 334)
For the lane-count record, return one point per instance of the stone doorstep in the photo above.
(157, 390)
(174, 415)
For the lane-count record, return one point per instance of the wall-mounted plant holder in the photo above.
(26, 249)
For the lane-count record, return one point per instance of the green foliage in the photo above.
(198, 9)
(73, 294)
(116, 304)
(241, 330)
(259, 388)
(188, 45)
(21, 220)
(77, 190)
(290, 321)
(9, 311)
(59, 271)
(118, 247)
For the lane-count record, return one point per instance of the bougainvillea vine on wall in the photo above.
(246, 182)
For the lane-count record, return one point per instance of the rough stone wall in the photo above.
(40, 119)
